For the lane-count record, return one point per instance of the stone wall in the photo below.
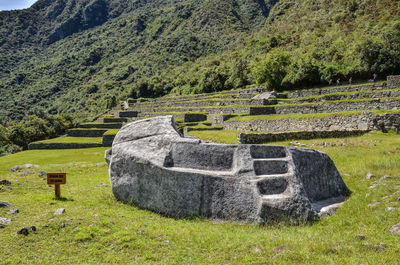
(393, 81)
(316, 92)
(127, 114)
(329, 123)
(364, 121)
(376, 104)
(62, 145)
(254, 138)
(108, 139)
(85, 133)
(101, 125)
(364, 95)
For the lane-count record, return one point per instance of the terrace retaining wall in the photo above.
(393, 81)
(253, 138)
(364, 121)
(34, 146)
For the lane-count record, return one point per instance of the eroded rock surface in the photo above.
(152, 166)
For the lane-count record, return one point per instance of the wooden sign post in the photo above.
(56, 179)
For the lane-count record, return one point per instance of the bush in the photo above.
(272, 70)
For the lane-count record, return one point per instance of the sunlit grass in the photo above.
(101, 230)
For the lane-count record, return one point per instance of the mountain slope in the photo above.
(81, 57)
(78, 55)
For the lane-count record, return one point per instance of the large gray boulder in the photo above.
(153, 167)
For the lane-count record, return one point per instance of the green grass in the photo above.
(88, 129)
(77, 140)
(309, 115)
(112, 132)
(97, 123)
(100, 230)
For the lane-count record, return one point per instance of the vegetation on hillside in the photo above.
(151, 48)
(37, 125)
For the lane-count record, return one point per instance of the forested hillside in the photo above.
(79, 58)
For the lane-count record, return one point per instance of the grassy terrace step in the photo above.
(205, 103)
(343, 96)
(86, 132)
(204, 97)
(101, 125)
(251, 109)
(184, 116)
(67, 143)
(248, 89)
(324, 106)
(333, 89)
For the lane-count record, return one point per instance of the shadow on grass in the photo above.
(63, 199)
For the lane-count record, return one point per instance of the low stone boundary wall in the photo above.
(85, 133)
(364, 121)
(253, 138)
(101, 125)
(329, 123)
(393, 81)
(35, 146)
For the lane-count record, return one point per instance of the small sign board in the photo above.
(56, 178)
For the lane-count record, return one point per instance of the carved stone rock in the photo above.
(153, 167)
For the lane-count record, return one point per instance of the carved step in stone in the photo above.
(270, 166)
(272, 185)
(153, 167)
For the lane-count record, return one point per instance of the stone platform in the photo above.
(153, 167)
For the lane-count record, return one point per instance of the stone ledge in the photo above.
(254, 138)
(35, 146)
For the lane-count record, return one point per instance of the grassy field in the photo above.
(100, 230)
(76, 140)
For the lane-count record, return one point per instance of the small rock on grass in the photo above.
(42, 173)
(59, 211)
(63, 225)
(5, 182)
(5, 221)
(395, 229)
(13, 211)
(361, 237)
(23, 231)
(386, 177)
(374, 204)
(26, 166)
(370, 175)
(390, 209)
(373, 186)
(282, 248)
(5, 205)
